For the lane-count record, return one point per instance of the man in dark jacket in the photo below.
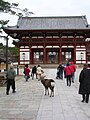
(60, 70)
(34, 71)
(84, 79)
(10, 79)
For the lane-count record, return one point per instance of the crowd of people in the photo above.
(63, 71)
(84, 78)
(68, 71)
(11, 74)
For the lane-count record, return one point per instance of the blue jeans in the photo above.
(73, 76)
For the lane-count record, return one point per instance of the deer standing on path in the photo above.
(48, 84)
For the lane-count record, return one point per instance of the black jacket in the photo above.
(84, 79)
(34, 69)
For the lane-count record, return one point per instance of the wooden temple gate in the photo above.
(55, 52)
(51, 40)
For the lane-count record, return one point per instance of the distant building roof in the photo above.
(51, 23)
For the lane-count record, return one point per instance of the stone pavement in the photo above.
(29, 102)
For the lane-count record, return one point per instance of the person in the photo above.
(84, 80)
(39, 72)
(10, 75)
(60, 69)
(27, 72)
(34, 72)
(73, 69)
(67, 71)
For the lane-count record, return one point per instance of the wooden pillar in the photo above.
(60, 55)
(74, 59)
(45, 60)
(19, 57)
(0, 66)
(86, 53)
(31, 56)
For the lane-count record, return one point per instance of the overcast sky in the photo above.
(52, 8)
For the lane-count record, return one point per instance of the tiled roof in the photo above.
(51, 23)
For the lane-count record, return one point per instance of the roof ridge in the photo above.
(84, 16)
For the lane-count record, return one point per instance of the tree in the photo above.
(14, 51)
(4, 7)
(7, 7)
(1, 46)
(13, 9)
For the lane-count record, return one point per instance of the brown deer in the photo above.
(48, 83)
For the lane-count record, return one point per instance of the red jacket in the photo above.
(72, 66)
(67, 70)
(26, 71)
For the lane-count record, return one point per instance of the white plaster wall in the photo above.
(78, 55)
(27, 56)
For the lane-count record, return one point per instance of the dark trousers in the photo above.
(33, 74)
(68, 78)
(10, 82)
(85, 97)
(61, 75)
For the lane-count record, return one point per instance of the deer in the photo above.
(48, 84)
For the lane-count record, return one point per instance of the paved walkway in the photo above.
(29, 102)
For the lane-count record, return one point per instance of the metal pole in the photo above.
(17, 70)
(6, 53)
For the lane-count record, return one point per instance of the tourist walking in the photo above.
(84, 80)
(10, 75)
(67, 72)
(60, 69)
(39, 72)
(26, 72)
(73, 69)
(34, 72)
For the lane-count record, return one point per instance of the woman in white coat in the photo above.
(39, 72)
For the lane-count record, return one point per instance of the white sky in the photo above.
(51, 8)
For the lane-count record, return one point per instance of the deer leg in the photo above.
(53, 92)
(48, 91)
(45, 91)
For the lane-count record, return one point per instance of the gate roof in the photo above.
(51, 23)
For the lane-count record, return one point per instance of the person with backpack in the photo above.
(10, 75)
